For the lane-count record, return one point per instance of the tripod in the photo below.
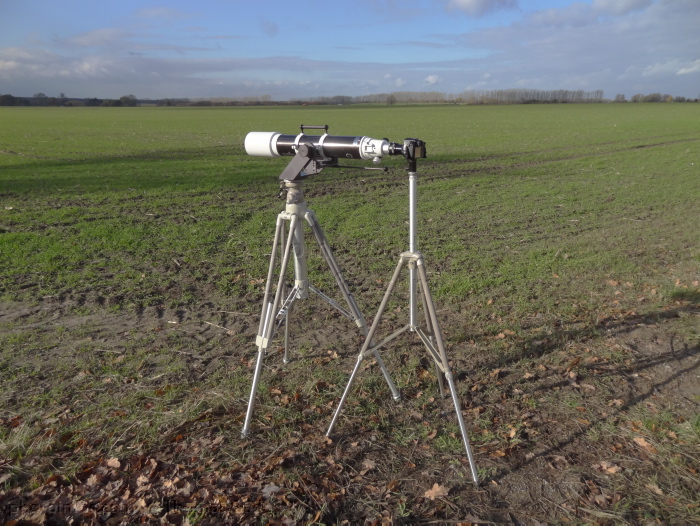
(278, 311)
(432, 335)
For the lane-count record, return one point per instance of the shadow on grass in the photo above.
(583, 430)
(628, 369)
(142, 171)
(691, 296)
(534, 348)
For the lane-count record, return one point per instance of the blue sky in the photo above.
(232, 48)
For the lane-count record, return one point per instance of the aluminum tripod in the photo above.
(278, 311)
(431, 336)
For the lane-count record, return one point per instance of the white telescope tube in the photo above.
(262, 144)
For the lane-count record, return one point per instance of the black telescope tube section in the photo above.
(285, 144)
(338, 146)
(332, 145)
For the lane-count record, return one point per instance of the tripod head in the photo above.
(413, 149)
(312, 153)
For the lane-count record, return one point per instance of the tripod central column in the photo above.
(412, 247)
(296, 206)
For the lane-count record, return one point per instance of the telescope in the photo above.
(330, 147)
(312, 153)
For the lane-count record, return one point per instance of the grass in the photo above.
(141, 188)
(134, 246)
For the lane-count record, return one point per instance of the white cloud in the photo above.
(695, 68)
(481, 7)
(579, 14)
(659, 68)
(619, 7)
(98, 37)
(7, 65)
(432, 79)
(399, 83)
(91, 67)
(162, 13)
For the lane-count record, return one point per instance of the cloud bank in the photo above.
(619, 46)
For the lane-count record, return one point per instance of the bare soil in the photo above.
(571, 434)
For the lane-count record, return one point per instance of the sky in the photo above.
(312, 48)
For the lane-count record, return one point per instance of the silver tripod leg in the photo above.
(366, 345)
(282, 246)
(439, 355)
(430, 313)
(267, 317)
(431, 340)
(337, 274)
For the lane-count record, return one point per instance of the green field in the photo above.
(81, 183)
(562, 244)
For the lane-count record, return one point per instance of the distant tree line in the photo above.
(655, 97)
(508, 96)
(41, 99)
(530, 96)
(504, 96)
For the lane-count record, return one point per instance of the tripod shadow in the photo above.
(641, 362)
(617, 412)
(536, 347)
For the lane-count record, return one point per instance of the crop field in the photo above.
(562, 244)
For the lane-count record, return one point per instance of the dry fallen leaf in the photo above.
(367, 465)
(436, 491)
(573, 363)
(270, 489)
(607, 467)
(114, 463)
(654, 488)
(559, 458)
(641, 442)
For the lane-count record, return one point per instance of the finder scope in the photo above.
(275, 144)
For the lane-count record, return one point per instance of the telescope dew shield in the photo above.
(262, 144)
(275, 144)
